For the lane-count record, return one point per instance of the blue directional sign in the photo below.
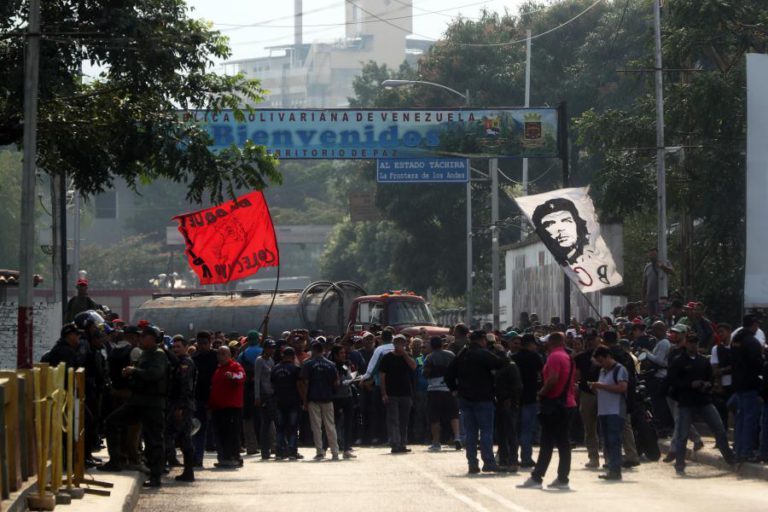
(422, 170)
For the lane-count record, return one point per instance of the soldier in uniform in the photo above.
(181, 408)
(149, 388)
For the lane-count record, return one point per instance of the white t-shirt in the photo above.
(725, 380)
(760, 335)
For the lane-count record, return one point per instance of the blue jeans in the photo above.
(709, 414)
(612, 427)
(764, 432)
(478, 422)
(287, 428)
(747, 421)
(529, 423)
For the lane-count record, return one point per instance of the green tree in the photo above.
(129, 264)
(10, 208)
(576, 63)
(363, 252)
(155, 59)
(705, 122)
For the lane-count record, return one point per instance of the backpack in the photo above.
(626, 361)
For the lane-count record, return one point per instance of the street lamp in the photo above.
(392, 84)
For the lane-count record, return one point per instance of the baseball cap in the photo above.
(233, 344)
(680, 329)
(399, 337)
(366, 334)
(151, 330)
(511, 335)
(316, 345)
(131, 329)
(692, 305)
(288, 351)
(82, 282)
(270, 343)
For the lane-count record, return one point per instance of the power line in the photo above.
(369, 13)
(426, 13)
(537, 36)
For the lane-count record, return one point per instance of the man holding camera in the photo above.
(690, 376)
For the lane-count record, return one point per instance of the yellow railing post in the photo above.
(12, 428)
(41, 500)
(5, 485)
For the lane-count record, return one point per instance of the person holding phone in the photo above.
(611, 389)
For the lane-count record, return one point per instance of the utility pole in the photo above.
(27, 243)
(469, 235)
(562, 114)
(661, 185)
(493, 168)
(527, 104)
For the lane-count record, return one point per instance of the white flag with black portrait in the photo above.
(565, 221)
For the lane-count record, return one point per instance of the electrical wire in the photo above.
(395, 18)
(369, 13)
(537, 36)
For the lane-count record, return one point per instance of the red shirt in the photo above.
(227, 391)
(560, 362)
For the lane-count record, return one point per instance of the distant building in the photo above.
(320, 75)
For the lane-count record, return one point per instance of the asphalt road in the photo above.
(437, 482)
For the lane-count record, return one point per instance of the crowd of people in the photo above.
(598, 382)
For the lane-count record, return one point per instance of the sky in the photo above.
(275, 19)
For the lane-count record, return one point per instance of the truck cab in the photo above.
(408, 313)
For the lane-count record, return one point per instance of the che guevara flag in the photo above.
(230, 241)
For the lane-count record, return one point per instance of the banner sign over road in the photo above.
(423, 170)
(371, 134)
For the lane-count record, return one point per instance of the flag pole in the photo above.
(265, 322)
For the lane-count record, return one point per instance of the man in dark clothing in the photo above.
(747, 370)
(460, 333)
(206, 363)
(149, 386)
(125, 354)
(263, 394)
(530, 364)
(322, 379)
(690, 376)
(288, 389)
(96, 384)
(181, 408)
(65, 350)
(470, 374)
(397, 371)
(588, 371)
(509, 387)
(80, 302)
(442, 405)
(368, 402)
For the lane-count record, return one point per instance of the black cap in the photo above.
(270, 343)
(151, 330)
(69, 329)
(131, 329)
(316, 346)
(288, 351)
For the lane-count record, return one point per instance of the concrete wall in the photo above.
(47, 324)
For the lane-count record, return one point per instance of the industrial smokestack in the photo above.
(297, 25)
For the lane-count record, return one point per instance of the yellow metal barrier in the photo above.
(41, 434)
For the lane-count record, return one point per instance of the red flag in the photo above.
(230, 241)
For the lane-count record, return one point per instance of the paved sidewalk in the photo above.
(710, 456)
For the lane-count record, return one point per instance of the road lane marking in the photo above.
(501, 500)
(447, 489)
